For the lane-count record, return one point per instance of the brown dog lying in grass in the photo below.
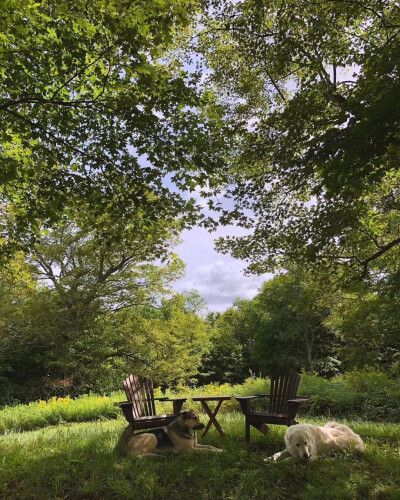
(179, 437)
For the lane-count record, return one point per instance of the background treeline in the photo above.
(80, 313)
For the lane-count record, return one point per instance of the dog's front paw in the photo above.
(274, 458)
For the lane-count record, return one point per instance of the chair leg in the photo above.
(247, 432)
(263, 428)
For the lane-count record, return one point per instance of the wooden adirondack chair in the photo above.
(140, 409)
(283, 404)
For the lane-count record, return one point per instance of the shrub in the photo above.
(366, 394)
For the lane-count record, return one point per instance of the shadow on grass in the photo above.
(79, 462)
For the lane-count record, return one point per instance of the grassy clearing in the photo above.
(77, 461)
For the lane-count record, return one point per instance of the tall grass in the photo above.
(366, 395)
(58, 410)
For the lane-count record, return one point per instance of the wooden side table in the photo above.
(212, 414)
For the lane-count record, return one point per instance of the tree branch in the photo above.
(40, 100)
(37, 126)
(97, 160)
(374, 256)
(77, 73)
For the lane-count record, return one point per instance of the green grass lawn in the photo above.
(77, 461)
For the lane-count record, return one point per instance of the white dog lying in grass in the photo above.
(306, 441)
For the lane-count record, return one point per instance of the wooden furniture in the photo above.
(140, 409)
(283, 404)
(212, 414)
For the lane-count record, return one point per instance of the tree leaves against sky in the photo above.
(96, 121)
(312, 88)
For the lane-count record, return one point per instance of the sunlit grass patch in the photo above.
(78, 460)
(58, 410)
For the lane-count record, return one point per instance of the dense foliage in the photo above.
(296, 321)
(367, 395)
(312, 89)
(81, 315)
(292, 114)
(98, 119)
(283, 326)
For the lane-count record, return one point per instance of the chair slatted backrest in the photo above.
(139, 392)
(283, 387)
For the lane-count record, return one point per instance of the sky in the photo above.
(218, 278)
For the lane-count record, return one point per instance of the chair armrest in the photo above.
(155, 399)
(294, 405)
(245, 402)
(263, 395)
(299, 399)
(177, 404)
(126, 407)
(123, 403)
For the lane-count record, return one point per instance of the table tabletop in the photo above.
(211, 398)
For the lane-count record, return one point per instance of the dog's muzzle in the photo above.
(199, 427)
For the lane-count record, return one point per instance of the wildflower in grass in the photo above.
(63, 400)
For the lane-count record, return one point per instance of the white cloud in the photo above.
(218, 278)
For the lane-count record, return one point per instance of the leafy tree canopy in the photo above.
(168, 346)
(96, 118)
(109, 272)
(287, 320)
(86, 310)
(312, 88)
(367, 319)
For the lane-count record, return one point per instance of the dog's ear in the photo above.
(183, 414)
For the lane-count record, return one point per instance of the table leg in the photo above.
(212, 416)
